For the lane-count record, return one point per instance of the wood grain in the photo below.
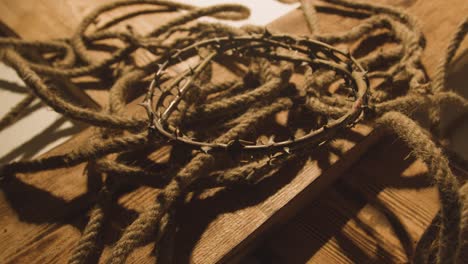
(45, 20)
(221, 231)
(375, 213)
(379, 208)
(42, 214)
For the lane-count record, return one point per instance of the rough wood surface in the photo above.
(380, 207)
(42, 215)
(44, 20)
(375, 213)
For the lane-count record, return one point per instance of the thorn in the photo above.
(162, 73)
(259, 141)
(346, 52)
(177, 133)
(246, 142)
(205, 149)
(287, 150)
(271, 140)
(179, 92)
(179, 59)
(267, 33)
(216, 45)
(191, 69)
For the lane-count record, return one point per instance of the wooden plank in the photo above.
(374, 214)
(38, 236)
(27, 20)
(24, 237)
(379, 209)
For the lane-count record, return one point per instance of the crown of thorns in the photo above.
(298, 50)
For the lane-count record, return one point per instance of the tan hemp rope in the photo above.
(240, 111)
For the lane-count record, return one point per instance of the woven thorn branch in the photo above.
(315, 54)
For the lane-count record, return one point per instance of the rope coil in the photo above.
(189, 107)
(246, 46)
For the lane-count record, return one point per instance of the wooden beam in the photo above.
(42, 214)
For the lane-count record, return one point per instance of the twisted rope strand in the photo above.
(405, 89)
